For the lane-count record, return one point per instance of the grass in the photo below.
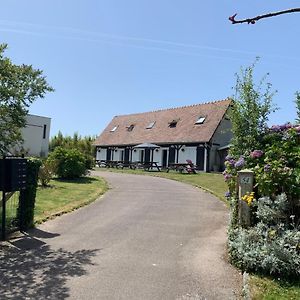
(262, 288)
(63, 196)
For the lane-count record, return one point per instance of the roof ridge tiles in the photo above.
(174, 108)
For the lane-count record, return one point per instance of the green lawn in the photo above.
(66, 195)
(263, 288)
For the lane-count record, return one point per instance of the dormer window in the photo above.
(200, 120)
(150, 126)
(114, 129)
(130, 128)
(173, 123)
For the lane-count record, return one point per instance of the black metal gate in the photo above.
(12, 179)
(10, 214)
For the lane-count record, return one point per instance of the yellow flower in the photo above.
(248, 198)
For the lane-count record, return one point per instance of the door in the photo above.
(108, 154)
(147, 155)
(171, 155)
(126, 157)
(142, 154)
(164, 158)
(122, 155)
(200, 158)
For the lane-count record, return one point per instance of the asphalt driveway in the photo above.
(146, 238)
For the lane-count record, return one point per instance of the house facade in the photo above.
(199, 132)
(35, 136)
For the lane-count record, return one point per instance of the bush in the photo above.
(278, 170)
(89, 162)
(272, 246)
(67, 163)
(45, 173)
(276, 165)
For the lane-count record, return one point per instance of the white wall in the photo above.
(222, 137)
(101, 155)
(157, 156)
(136, 155)
(188, 153)
(36, 136)
(223, 134)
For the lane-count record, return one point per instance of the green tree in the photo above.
(20, 85)
(83, 144)
(251, 107)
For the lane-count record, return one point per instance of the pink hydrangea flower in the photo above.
(256, 154)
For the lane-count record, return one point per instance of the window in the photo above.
(150, 126)
(200, 120)
(114, 129)
(130, 128)
(173, 123)
(44, 131)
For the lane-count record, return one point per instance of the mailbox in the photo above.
(12, 174)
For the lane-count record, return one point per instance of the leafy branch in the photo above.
(269, 15)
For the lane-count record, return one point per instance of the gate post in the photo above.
(245, 184)
(3, 225)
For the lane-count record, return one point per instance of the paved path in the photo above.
(146, 238)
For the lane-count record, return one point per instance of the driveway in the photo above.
(146, 238)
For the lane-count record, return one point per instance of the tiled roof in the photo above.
(186, 131)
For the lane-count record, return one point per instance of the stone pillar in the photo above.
(245, 184)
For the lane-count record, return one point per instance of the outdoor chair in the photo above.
(190, 168)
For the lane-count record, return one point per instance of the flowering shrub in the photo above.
(276, 165)
(271, 246)
(278, 170)
(256, 154)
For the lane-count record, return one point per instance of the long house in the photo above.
(200, 133)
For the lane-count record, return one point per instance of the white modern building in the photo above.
(35, 136)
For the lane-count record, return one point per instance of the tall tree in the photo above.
(253, 20)
(251, 107)
(20, 85)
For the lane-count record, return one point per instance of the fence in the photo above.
(11, 212)
(12, 179)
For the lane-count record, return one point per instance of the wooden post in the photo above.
(245, 183)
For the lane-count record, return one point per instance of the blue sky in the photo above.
(113, 57)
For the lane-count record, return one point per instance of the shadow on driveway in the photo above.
(30, 269)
